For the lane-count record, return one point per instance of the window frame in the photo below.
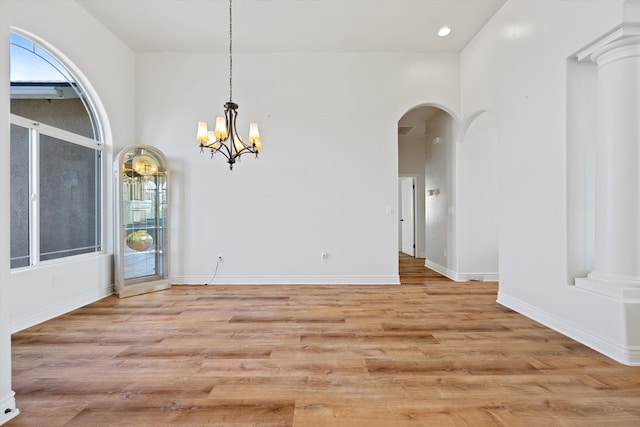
(35, 129)
(48, 55)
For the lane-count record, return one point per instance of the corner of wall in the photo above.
(8, 408)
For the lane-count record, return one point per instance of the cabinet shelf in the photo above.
(133, 252)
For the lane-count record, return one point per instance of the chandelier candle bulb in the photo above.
(254, 136)
(202, 133)
(238, 144)
(221, 128)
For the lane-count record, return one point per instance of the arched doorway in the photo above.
(426, 154)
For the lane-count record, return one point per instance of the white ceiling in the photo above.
(293, 25)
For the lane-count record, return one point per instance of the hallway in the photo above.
(413, 271)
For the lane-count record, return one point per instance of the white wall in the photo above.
(440, 207)
(477, 203)
(106, 67)
(327, 172)
(517, 69)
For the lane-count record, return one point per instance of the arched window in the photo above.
(56, 160)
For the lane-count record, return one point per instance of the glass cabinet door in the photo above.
(142, 233)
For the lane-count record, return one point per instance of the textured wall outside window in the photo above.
(68, 114)
(69, 208)
(19, 196)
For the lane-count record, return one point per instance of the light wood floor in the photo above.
(430, 352)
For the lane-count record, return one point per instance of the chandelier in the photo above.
(225, 139)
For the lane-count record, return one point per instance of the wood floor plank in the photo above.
(428, 352)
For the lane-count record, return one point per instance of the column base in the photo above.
(8, 409)
(622, 290)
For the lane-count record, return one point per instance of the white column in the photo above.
(617, 191)
(7, 401)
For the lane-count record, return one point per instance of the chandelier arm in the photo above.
(234, 131)
(231, 159)
(225, 153)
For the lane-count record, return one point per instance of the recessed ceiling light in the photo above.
(444, 31)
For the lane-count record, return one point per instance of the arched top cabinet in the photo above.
(142, 238)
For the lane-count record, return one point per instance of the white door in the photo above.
(407, 220)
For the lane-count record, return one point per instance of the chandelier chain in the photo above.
(230, 54)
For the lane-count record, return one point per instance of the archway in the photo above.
(426, 153)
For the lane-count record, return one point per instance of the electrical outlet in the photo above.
(220, 259)
(324, 256)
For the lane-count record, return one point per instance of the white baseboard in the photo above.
(24, 322)
(287, 280)
(8, 409)
(625, 355)
(440, 269)
(461, 277)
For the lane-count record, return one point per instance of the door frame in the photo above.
(414, 178)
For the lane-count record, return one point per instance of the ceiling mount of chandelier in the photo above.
(225, 138)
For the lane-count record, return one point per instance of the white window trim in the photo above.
(36, 129)
(57, 132)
